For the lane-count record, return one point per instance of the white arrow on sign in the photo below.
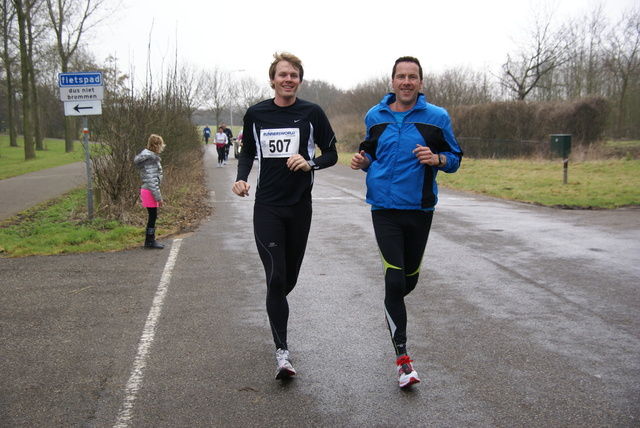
(82, 108)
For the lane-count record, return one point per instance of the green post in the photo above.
(561, 146)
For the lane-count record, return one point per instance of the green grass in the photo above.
(52, 228)
(60, 227)
(12, 161)
(592, 184)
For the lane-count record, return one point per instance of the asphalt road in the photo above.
(524, 317)
(25, 191)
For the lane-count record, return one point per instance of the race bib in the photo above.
(280, 143)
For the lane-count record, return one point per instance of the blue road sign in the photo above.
(92, 78)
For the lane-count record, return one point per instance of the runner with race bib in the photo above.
(283, 133)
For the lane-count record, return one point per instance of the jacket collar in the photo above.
(390, 98)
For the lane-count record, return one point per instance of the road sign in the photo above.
(85, 93)
(81, 92)
(82, 108)
(89, 78)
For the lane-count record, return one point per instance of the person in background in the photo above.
(408, 141)
(148, 162)
(206, 133)
(229, 142)
(239, 144)
(283, 132)
(221, 143)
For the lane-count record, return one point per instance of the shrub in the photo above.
(121, 132)
(584, 118)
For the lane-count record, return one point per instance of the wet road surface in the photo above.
(523, 316)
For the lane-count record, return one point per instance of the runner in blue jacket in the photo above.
(407, 142)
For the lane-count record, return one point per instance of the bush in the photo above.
(350, 131)
(585, 119)
(121, 132)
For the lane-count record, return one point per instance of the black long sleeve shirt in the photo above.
(276, 133)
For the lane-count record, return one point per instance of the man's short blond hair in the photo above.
(291, 59)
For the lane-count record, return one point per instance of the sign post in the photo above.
(85, 131)
(561, 146)
(82, 94)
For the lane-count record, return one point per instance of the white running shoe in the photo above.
(407, 376)
(285, 369)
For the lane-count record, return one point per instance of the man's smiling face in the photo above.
(407, 83)
(286, 82)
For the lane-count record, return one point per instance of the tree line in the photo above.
(587, 56)
(586, 70)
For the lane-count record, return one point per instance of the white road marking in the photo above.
(148, 335)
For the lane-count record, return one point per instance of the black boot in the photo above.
(150, 241)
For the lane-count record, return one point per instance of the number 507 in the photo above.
(279, 146)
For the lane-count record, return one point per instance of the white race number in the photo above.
(280, 143)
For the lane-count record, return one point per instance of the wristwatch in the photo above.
(313, 165)
(441, 159)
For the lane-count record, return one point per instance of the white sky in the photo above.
(343, 42)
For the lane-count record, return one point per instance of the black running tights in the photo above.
(402, 238)
(281, 234)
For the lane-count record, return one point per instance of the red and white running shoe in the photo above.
(407, 376)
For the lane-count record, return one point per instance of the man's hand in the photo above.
(241, 188)
(296, 162)
(426, 156)
(360, 161)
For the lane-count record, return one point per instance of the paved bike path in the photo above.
(26, 191)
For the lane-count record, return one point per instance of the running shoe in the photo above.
(285, 369)
(407, 376)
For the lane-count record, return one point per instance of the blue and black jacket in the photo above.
(395, 178)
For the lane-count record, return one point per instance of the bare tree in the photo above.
(243, 93)
(23, 11)
(365, 95)
(36, 32)
(456, 87)
(322, 93)
(70, 20)
(581, 75)
(544, 52)
(248, 91)
(215, 89)
(623, 59)
(118, 81)
(9, 60)
(189, 88)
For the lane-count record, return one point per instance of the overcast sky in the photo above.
(343, 42)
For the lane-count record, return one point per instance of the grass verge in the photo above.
(12, 161)
(590, 184)
(55, 228)
(607, 184)
(61, 226)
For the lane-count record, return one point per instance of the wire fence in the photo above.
(482, 148)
